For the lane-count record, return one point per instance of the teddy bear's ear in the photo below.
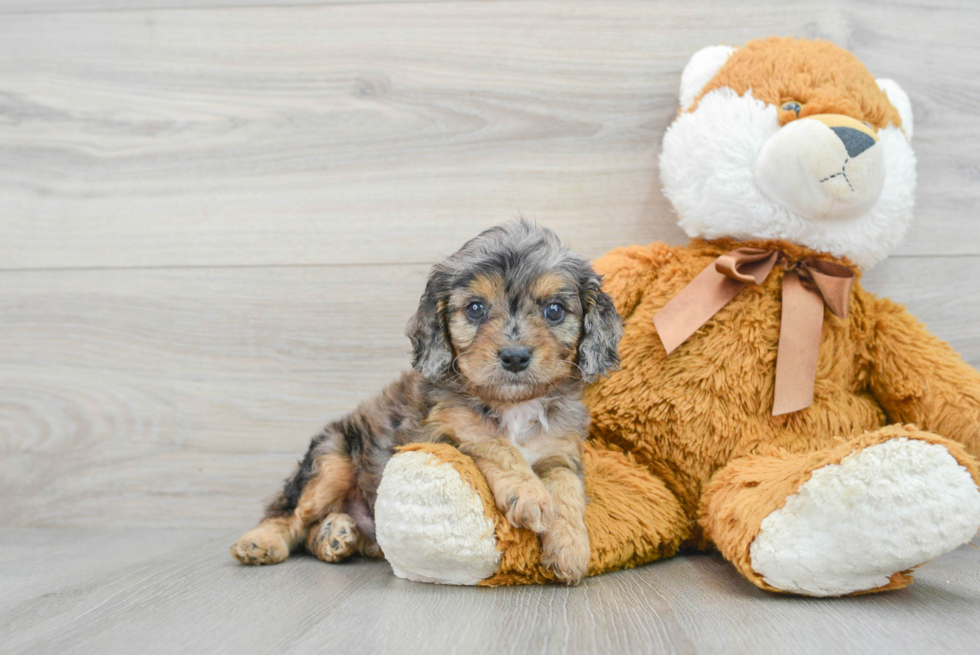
(700, 69)
(900, 101)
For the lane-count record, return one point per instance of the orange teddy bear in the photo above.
(767, 405)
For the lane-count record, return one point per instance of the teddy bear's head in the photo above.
(795, 140)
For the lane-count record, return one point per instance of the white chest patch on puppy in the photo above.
(522, 421)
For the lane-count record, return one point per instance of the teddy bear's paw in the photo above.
(431, 523)
(565, 551)
(857, 525)
(529, 505)
(260, 545)
(334, 539)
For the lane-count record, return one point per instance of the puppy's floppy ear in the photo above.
(431, 353)
(601, 331)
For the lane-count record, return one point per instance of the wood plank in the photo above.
(936, 33)
(56, 6)
(154, 591)
(348, 134)
(208, 381)
(181, 398)
(75, 6)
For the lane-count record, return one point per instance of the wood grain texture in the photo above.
(138, 396)
(153, 591)
(300, 134)
(55, 6)
(215, 219)
(75, 6)
(182, 397)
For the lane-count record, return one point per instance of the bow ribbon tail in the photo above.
(806, 289)
(808, 286)
(712, 289)
(799, 344)
(694, 305)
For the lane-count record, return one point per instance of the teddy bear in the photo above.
(766, 406)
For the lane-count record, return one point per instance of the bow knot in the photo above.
(808, 285)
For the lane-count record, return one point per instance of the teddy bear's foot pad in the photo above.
(431, 523)
(854, 525)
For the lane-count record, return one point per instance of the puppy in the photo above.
(508, 332)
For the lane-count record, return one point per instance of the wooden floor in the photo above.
(216, 217)
(147, 591)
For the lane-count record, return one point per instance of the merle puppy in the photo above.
(508, 332)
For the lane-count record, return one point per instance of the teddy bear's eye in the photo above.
(792, 106)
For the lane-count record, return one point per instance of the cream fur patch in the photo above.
(807, 168)
(524, 420)
(707, 167)
(900, 101)
(701, 67)
(431, 524)
(852, 525)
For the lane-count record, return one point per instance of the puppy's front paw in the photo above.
(529, 505)
(260, 546)
(565, 550)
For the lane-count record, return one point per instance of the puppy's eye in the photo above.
(554, 312)
(792, 106)
(475, 311)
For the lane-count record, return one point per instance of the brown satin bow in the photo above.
(807, 285)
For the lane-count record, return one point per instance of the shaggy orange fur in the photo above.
(822, 77)
(710, 401)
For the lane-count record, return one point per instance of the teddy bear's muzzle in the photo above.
(823, 167)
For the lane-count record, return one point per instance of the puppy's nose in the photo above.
(515, 359)
(854, 141)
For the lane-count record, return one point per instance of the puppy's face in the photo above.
(514, 338)
(513, 313)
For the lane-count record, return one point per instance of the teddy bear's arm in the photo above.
(628, 271)
(920, 379)
(437, 520)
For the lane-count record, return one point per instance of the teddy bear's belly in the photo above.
(687, 414)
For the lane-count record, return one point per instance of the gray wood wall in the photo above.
(217, 215)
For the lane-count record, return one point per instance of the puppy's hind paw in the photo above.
(260, 546)
(334, 539)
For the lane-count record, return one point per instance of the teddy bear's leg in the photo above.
(437, 521)
(854, 518)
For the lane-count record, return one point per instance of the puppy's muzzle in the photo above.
(823, 167)
(515, 359)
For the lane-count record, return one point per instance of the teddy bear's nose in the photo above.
(854, 140)
(823, 167)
